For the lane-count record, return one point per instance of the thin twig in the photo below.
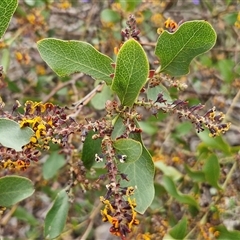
(91, 220)
(90, 95)
(148, 44)
(7, 217)
(203, 219)
(62, 85)
(84, 101)
(230, 109)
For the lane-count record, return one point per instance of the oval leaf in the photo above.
(198, 176)
(170, 187)
(212, 171)
(152, 94)
(131, 148)
(99, 100)
(169, 170)
(12, 136)
(131, 72)
(14, 189)
(7, 8)
(225, 234)
(140, 174)
(56, 216)
(54, 162)
(90, 148)
(67, 57)
(119, 127)
(176, 50)
(179, 231)
(109, 16)
(214, 143)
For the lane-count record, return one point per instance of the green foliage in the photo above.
(67, 57)
(56, 216)
(14, 189)
(195, 174)
(90, 148)
(212, 170)
(172, 172)
(131, 72)
(176, 50)
(99, 100)
(152, 93)
(108, 15)
(119, 127)
(22, 214)
(12, 135)
(225, 234)
(140, 173)
(52, 165)
(213, 143)
(179, 231)
(131, 148)
(170, 187)
(7, 8)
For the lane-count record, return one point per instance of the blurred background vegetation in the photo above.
(214, 80)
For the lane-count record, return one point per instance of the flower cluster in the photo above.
(50, 125)
(208, 232)
(131, 30)
(34, 24)
(211, 119)
(237, 23)
(118, 211)
(170, 25)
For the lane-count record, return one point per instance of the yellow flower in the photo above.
(139, 17)
(237, 23)
(64, 4)
(157, 19)
(31, 18)
(18, 56)
(40, 70)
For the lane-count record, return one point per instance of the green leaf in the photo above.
(108, 15)
(198, 176)
(119, 127)
(152, 94)
(226, 66)
(214, 143)
(179, 231)
(168, 170)
(99, 100)
(7, 8)
(14, 189)
(230, 18)
(129, 5)
(177, 50)
(54, 162)
(182, 129)
(212, 170)
(67, 57)
(24, 215)
(5, 61)
(225, 234)
(90, 148)
(140, 174)
(129, 147)
(56, 216)
(170, 187)
(131, 72)
(149, 127)
(12, 136)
